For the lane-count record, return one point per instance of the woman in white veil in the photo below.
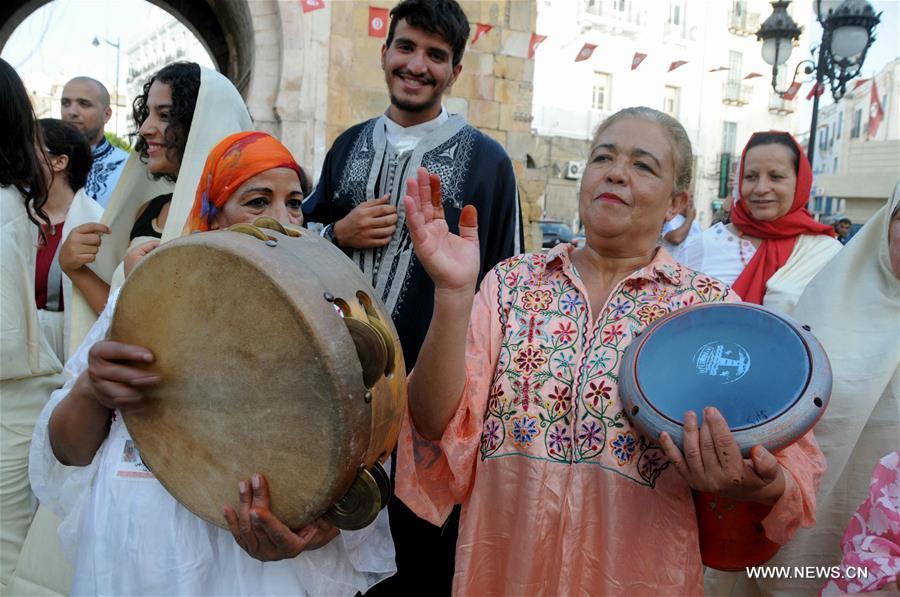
(853, 307)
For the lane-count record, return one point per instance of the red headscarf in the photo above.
(234, 160)
(779, 236)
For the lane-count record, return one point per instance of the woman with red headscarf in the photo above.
(127, 533)
(772, 248)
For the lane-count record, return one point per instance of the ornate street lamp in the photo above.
(848, 30)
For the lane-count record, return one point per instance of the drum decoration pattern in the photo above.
(768, 376)
(275, 357)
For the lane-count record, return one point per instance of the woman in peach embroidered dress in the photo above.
(514, 409)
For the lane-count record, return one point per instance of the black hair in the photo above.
(844, 221)
(184, 80)
(440, 17)
(61, 138)
(776, 138)
(20, 145)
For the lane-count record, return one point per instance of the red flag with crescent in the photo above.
(791, 92)
(311, 5)
(536, 40)
(636, 61)
(876, 110)
(378, 22)
(481, 29)
(586, 51)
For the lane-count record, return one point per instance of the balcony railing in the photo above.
(778, 105)
(735, 93)
(743, 24)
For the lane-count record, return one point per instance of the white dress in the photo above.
(125, 534)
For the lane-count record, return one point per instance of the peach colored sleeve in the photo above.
(432, 476)
(804, 465)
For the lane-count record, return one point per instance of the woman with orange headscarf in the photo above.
(128, 534)
(772, 248)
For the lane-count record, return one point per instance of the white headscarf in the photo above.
(853, 307)
(220, 111)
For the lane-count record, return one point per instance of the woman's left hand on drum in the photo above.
(712, 461)
(262, 535)
(112, 377)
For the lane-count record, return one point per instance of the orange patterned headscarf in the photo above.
(234, 160)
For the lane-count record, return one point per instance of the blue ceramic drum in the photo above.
(766, 374)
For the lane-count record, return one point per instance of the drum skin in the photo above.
(705, 356)
(260, 373)
(768, 376)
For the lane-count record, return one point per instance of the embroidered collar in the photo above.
(102, 149)
(663, 265)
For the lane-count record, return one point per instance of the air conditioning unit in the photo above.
(574, 170)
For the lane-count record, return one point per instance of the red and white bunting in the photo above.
(876, 110)
(791, 92)
(818, 89)
(752, 76)
(858, 83)
(721, 68)
(636, 61)
(311, 5)
(676, 64)
(586, 51)
(378, 22)
(481, 29)
(536, 40)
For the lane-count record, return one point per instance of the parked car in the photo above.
(554, 232)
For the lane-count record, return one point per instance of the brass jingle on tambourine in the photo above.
(371, 348)
(386, 338)
(360, 505)
(384, 483)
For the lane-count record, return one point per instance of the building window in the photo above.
(672, 101)
(729, 137)
(857, 124)
(595, 7)
(602, 90)
(734, 66)
(619, 5)
(739, 8)
(840, 126)
(675, 12)
(835, 165)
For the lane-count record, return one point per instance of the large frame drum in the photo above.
(276, 358)
(768, 376)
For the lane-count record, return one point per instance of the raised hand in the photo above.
(81, 246)
(452, 261)
(368, 225)
(712, 461)
(262, 535)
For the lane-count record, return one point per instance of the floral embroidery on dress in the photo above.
(555, 389)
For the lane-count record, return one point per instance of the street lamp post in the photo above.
(848, 30)
(96, 43)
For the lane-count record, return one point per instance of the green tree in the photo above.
(117, 141)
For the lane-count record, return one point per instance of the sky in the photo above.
(54, 43)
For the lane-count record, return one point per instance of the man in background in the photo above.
(85, 104)
(680, 228)
(842, 230)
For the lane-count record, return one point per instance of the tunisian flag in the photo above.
(536, 40)
(586, 51)
(636, 61)
(676, 64)
(311, 5)
(481, 30)
(876, 111)
(378, 22)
